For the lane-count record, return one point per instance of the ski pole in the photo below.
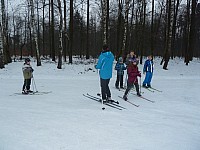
(140, 86)
(35, 85)
(125, 81)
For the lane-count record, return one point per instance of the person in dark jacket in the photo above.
(120, 67)
(148, 71)
(28, 74)
(133, 73)
(105, 66)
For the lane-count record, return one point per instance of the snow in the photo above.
(65, 120)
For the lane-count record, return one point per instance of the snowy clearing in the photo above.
(65, 120)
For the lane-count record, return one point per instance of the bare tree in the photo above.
(60, 36)
(192, 33)
(104, 20)
(88, 23)
(125, 27)
(169, 33)
(71, 30)
(1, 49)
(4, 24)
(34, 32)
(53, 53)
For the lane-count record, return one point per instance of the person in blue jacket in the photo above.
(120, 67)
(148, 71)
(105, 66)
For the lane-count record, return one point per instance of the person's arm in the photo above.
(99, 63)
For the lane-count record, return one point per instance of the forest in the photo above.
(61, 29)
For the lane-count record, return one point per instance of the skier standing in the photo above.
(120, 67)
(148, 71)
(105, 65)
(28, 74)
(133, 73)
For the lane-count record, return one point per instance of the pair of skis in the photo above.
(151, 89)
(32, 93)
(111, 103)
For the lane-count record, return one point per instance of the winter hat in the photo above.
(27, 60)
(134, 60)
(120, 59)
(105, 47)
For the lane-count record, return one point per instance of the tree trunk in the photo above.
(119, 25)
(1, 49)
(71, 24)
(104, 13)
(169, 33)
(192, 33)
(152, 28)
(88, 20)
(174, 28)
(65, 31)
(33, 26)
(53, 53)
(6, 53)
(60, 36)
(125, 27)
(43, 26)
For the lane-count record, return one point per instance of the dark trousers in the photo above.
(130, 85)
(27, 83)
(105, 91)
(119, 80)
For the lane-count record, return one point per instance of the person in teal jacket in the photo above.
(105, 66)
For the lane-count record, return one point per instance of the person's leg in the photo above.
(103, 88)
(149, 79)
(24, 85)
(121, 81)
(146, 79)
(117, 82)
(28, 83)
(129, 86)
(108, 93)
(137, 89)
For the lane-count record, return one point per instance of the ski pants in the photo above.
(119, 80)
(148, 78)
(105, 90)
(130, 86)
(27, 83)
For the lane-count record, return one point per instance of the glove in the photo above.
(95, 66)
(139, 74)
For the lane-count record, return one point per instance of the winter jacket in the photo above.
(105, 64)
(27, 71)
(148, 66)
(120, 67)
(133, 73)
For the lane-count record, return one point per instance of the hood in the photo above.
(107, 54)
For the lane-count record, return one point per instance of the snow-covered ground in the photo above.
(65, 120)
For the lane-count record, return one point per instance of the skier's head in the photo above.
(120, 60)
(105, 48)
(27, 60)
(134, 61)
(149, 57)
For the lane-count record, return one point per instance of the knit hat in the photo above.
(27, 60)
(120, 59)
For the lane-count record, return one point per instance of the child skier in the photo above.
(148, 71)
(120, 67)
(133, 73)
(28, 73)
